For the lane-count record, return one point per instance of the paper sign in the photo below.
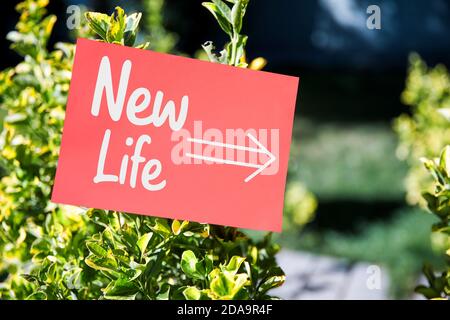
(174, 137)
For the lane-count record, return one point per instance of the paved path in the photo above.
(317, 277)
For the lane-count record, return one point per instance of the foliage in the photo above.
(50, 251)
(133, 257)
(118, 28)
(33, 94)
(299, 206)
(161, 40)
(230, 21)
(439, 204)
(423, 135)
(426, 131)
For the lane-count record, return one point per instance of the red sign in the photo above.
(174, 137)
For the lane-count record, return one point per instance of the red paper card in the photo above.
(174, 137)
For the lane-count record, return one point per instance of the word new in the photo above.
(115, 102)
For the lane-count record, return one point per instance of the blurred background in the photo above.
(346, 168)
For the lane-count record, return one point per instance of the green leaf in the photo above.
(121, 255)
(239, 282)
(191, 266)
(209, 263)
(132, 21)
(96, 249)
(429, 273)
(129, 37)
(234, 264)
(116, 26)
(47, 25)
(38, 295)
(223, 22)
(192, 293)
(131, 26)
(155, 263)
(223, 9)
(161, 227)
(15, 118)
(164, 292)
(132, 274)
(178, 227)
(213, 57)
(132, 297)
(98, 22)
(114, 221)
(429, 293)
(41, 245)
(104, 264)
(188, 262)
(108, 238)
(432, 201)
(30, 278)
(236, 16)
(228, 285)
(143, 242)
(222, 285)
(270, 283)
(143, 45)
(444, 161)
(241, 43)
(73, 280)
(121, 287)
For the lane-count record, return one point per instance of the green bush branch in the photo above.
(50, 251)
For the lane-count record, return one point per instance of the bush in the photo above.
(50, 251)
(439, 204)
(423, 135)
(426, 131)
(33, 94)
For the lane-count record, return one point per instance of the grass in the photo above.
(347, 161)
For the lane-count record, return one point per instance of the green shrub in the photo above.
(426, 131)
(438, 203)
(50, 251)
(33, 94)
(423, 135)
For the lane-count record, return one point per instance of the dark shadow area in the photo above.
(348, 96)
(349, 215)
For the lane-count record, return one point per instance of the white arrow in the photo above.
(260, 149)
